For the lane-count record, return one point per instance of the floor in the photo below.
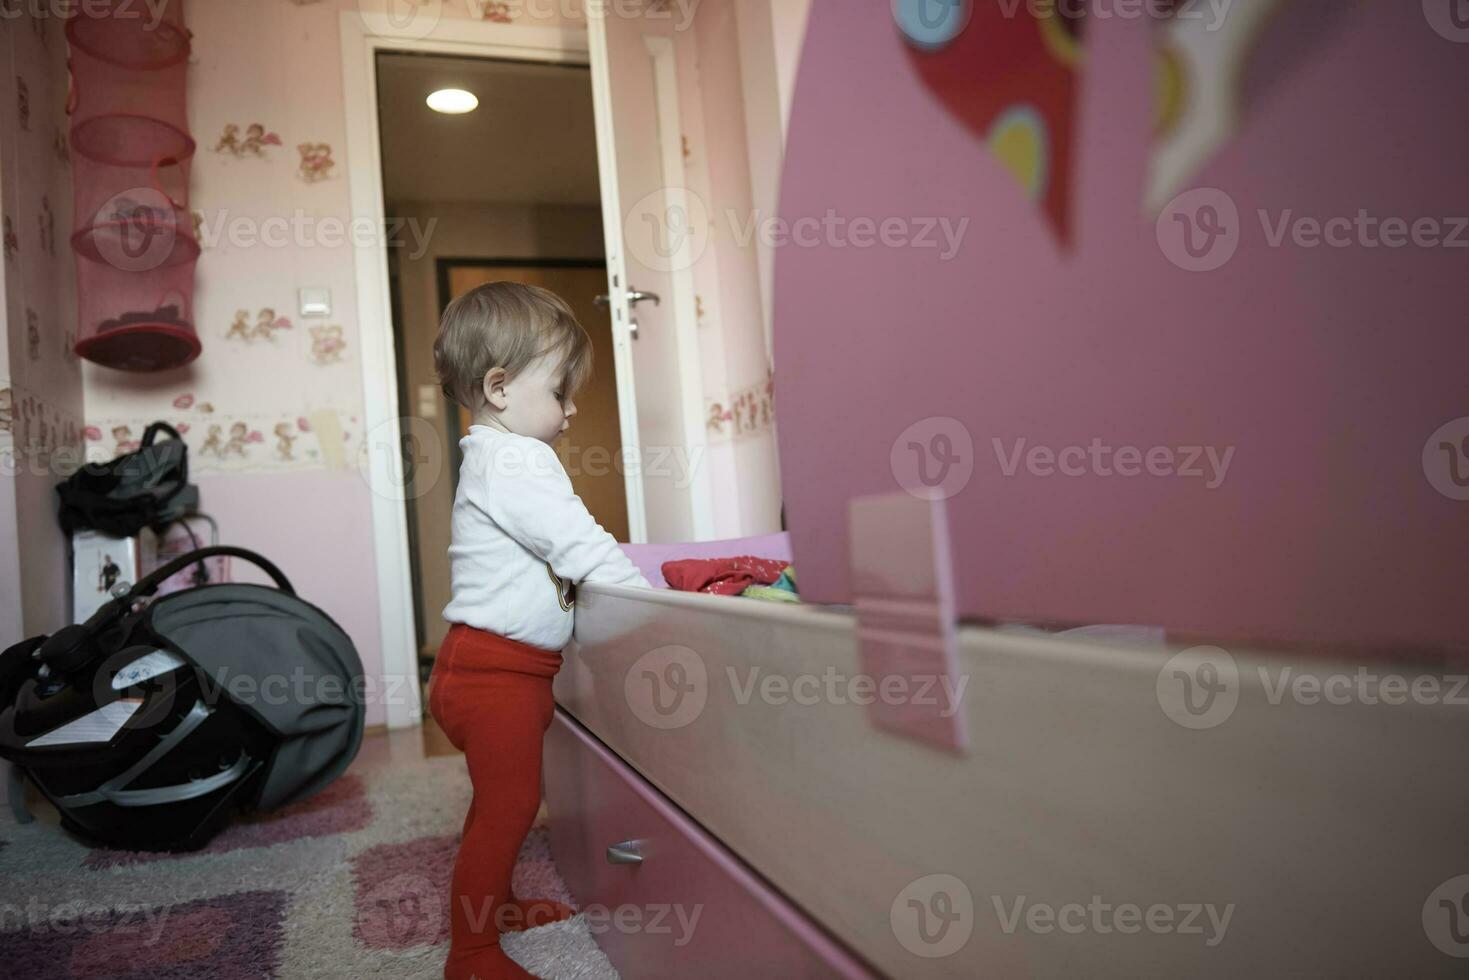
(353, 881)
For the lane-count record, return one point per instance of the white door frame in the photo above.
(363, 34)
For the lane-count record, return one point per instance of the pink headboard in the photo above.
(1331, 376)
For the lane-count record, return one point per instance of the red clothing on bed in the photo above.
(721, 576)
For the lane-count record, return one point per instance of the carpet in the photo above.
(352, 883)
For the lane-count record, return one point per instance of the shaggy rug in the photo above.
(351, 883)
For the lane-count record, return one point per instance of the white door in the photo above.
(655, 231)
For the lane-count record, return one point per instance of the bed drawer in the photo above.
(674, 902)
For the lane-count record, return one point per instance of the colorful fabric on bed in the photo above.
(782, 589)
(722, 576)
(650, 557)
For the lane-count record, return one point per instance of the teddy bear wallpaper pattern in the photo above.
(270, 392)
(40, 400)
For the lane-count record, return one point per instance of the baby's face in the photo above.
(537, 405)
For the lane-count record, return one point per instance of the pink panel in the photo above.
(903, 582)
(715, 919)
(1323, 371)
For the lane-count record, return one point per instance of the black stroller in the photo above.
(149, 725)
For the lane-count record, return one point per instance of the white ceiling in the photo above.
(531, 141)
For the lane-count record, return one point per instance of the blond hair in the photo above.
(507, 325)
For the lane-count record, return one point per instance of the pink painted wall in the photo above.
(40, 381)
(328, 556)
(1326, 369)
(736, 357)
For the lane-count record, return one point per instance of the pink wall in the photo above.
(732, 343)
(40, 382)
(327, 553)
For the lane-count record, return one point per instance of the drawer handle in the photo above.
(625, 853)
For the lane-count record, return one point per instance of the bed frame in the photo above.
(1325, 827)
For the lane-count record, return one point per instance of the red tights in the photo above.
(492, 697)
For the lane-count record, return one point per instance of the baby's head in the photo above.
(514, 355)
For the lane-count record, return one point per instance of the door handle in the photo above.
(627, 852)
(634, 297)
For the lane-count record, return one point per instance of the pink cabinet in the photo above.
(663, 898)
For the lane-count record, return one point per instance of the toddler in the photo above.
(514, 356)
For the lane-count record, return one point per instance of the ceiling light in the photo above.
(454, 101)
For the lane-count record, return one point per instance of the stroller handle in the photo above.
(148, 584)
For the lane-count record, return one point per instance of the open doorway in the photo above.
(509, 191)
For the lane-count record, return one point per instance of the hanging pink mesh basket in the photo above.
(133, 216)
(130, 33)
(131, 155)
(137, 322)
(124, 64)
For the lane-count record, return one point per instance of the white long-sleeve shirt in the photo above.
(520, 539)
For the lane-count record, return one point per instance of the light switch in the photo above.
(316, 301)
(428, 401)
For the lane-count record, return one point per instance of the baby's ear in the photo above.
(494, 388)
